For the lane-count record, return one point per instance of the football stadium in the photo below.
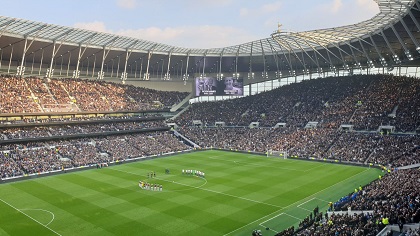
(298, 133)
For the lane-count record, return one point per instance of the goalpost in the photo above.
(278, 154)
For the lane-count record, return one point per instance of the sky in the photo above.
(193, 23)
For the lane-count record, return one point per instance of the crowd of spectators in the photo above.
(393, 199)
(31, 95)
(72, 129)
(38, 157)
(25, 132)
(395, 196)
(316, 143)
(397, 150)
(9, 167)
(37, 160)
(365, 101)
(15, 97)
(78, 117)
(353, 147)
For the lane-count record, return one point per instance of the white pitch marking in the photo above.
(53, 216)
(46, 226)
(305, 202)
(293, 203)
(253, 164)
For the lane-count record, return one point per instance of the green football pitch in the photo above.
(241, 193)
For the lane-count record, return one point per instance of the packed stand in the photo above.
(73, 129)
(365, 101)
(79, 117)
(8, 167)
(396, 195)
(32, 95)
(396, 150)
(353, 147)
(229, 138)
(393, 199)
(39, 157)
(316, 143)
(15, 97)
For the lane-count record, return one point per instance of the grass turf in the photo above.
(241, 192)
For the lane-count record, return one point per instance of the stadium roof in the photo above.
(389, 38)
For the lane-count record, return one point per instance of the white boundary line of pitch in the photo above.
(294, 203)
(262, 223)
(30, 217)
(299, 206)
(252, 164)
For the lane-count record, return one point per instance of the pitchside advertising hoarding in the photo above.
(227, 86)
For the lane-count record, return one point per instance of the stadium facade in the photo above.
(386, 42)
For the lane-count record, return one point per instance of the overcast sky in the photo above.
(193, 23)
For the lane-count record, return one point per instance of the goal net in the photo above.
(278, 154)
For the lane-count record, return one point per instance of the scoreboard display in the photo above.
(227, 86)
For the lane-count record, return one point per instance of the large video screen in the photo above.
(206, 86)
(227, 86)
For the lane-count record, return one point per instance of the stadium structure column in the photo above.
(135, 70)
(264, 73)
(76, 73)
(167, 76)
(141, 67)
(20, 69)
(146, 76)
(204, 62)
(50, 71)
(186, 67)
(219, 75)
(10, 60)
(40, 64)
(33, 61)
(68, 64)
(127, 56)
(250, 62)
(118, 65)
(236, 63)
(94, 65)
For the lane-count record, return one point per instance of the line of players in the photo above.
(148, 186)
(194, 173)
(151, 175)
